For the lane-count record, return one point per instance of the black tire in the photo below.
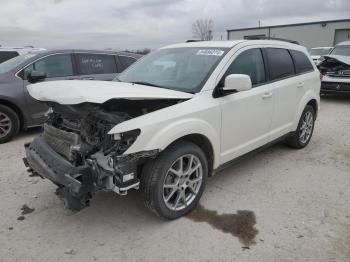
(294, 139)
(154, 174)
(6, 134)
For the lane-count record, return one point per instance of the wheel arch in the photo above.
(310, 98)
(203, 143)
(314, 104)
(15, 108)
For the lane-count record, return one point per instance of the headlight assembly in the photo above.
(121, 142)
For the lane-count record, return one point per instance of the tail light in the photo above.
(321, 77)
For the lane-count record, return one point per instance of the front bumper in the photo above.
(78, 182)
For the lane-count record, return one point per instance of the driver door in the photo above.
(246, 115)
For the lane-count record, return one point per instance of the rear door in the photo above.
(286, 89)
(96, 66)
(56, 67)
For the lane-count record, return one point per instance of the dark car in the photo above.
(18, 110)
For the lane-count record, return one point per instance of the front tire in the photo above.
(301, 137)
(9, 124)
(173, 183)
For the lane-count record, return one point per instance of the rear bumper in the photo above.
(40, 158)
(335, 87)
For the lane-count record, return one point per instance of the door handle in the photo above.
(267, 95)
(300, 85)
(88, 78)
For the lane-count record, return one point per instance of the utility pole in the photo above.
(259, 22)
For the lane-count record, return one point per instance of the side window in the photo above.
(27, 71)
(126, 61)
(302, 63)
(280, 63)
(251, 63)
(90, 64)
(55, 65)
(7, 55)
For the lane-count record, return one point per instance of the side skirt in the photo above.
(249, 154)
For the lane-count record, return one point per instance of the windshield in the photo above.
(181, 69)
(320, 51)
(341, 50)
(8, 65)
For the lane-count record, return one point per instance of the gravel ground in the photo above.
(300, 200)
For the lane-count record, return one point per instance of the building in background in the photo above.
(313, 34)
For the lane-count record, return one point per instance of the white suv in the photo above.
(172, 119)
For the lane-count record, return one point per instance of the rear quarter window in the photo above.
(7, 55)
(91, 64)
(280, 63)
(301, 62)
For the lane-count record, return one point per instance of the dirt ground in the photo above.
(279, 205)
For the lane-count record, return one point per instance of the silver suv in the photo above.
(19, 110)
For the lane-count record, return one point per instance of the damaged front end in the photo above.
(76, 152)
(335, 71)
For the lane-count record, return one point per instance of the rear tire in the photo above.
(301, 137)
(172, 189)
(9, 124)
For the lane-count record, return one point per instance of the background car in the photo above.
(335, 70)
(316, 53)
(6, 53)
(19, 110)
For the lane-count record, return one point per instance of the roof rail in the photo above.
(270, 38)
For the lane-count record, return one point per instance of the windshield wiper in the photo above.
(144, 83)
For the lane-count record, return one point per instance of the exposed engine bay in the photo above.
(76, 152)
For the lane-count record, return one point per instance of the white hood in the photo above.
(70, 92)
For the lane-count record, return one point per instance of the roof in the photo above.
(297, 24)
(226, 44)
(231, 43)
(53, 51)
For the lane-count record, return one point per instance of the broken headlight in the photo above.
(122, 141)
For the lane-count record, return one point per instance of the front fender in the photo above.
(160, 137)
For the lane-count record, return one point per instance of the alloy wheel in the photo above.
(182, 182)
(306, 127)
(5, 125)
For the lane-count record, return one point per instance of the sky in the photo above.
(137, 24)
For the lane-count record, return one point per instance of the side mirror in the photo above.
(237, 82)
(36, 76)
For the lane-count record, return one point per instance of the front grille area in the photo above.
(60, 141)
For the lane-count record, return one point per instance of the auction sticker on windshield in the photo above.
(215, 52)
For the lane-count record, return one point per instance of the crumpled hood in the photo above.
(70, 92)
(340, 58)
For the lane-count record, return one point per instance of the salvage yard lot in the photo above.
(300, 200)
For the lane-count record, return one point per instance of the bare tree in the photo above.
(203, 29)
